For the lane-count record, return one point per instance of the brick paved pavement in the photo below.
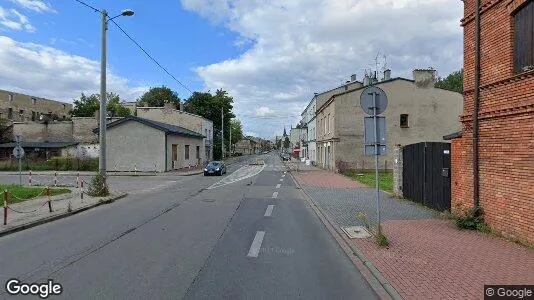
(428, 257)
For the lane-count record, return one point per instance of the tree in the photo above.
(86, 106)
(237, 131)
(115, 108)
(286, 143)
(209, 106)
(453, 82)
(278, 143)
(158, 96)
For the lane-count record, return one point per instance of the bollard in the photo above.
(78, 179)
(5, 207)
(30, 180)
(81, 191)
(55, 178)
(47, 191)
(135, 169)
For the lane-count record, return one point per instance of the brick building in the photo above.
(21, 108)
(505, 117)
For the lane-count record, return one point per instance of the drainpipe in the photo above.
(476, 200)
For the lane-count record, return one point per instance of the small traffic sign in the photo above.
(18, 152)
(370, 96)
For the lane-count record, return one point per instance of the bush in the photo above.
(381, 240)
(53, 164)
(471, 219)
(97, 187)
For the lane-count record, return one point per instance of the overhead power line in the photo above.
(83, 3)
(150, 56)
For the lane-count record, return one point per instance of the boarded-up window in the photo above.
(524, 38)
(186, 151)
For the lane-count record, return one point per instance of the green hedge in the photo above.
(53, 164)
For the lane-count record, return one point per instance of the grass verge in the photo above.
(20, 193)
(385, 179)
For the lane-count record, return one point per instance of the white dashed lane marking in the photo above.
(256, 244)
(278, 186)
(269, 211)
(275, 194)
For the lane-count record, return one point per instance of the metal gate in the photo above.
(426, 174)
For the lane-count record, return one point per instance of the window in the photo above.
(198, 152)
(10, 113)
(21, 114)
(206, 134)
(186, 151)
(33, 101)
(524, 38)
(328, 123)
(64, 106)
(404, 121)
(174, 152)
(33, 116)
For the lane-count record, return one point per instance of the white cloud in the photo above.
(14, 20)
(35, 5)
(51, 73)
(299, 47)
(264, 111)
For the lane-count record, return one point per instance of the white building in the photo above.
(308, 119)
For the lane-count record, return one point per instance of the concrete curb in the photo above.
(35, 223)
(344, 242)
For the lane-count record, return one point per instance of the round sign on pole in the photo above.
(367, 101)
(18, 152)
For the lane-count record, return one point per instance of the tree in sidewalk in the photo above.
(158, 97)
(453, 82)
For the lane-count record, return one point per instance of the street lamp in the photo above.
(102, 127)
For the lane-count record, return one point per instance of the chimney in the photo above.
(353, 77)
(366, 80)
(387, 74)
(424, 78)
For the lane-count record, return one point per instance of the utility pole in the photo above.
(222, 134)
(102, 135)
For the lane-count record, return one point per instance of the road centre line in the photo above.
(256, 244)
(282, 179)
(275, 194)
(269, 211)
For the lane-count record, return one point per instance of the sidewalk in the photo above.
(30, 213)
(427, 257)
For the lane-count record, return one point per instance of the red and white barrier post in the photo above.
(30, 178)
(55, 178)
(78, 179)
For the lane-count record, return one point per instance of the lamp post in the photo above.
(103, 106)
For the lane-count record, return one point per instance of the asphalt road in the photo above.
(242, 238)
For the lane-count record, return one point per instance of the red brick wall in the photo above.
(506, 126)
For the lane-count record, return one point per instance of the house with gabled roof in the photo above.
(138, 144)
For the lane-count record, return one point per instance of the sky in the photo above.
(270, 55)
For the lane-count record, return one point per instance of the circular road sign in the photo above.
(367, 100)
(18, 152)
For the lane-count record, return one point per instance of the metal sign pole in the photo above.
(377, 143)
